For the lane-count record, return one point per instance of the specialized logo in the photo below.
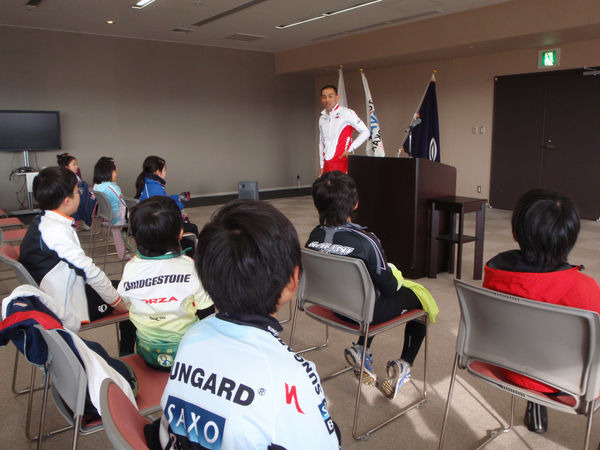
(197, 424)
(225, 387)
(327, 247)
(290, 394)
(150, 301)
(326, 417)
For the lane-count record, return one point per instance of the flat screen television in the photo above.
(29, 130)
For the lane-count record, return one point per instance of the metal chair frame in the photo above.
(540, 335)
(343, 285)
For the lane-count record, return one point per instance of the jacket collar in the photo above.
(326, 114)
(58, 216)
(266, 323)
(156, 178)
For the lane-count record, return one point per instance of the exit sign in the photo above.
(548, 58)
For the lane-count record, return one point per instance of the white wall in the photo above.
(217, 116)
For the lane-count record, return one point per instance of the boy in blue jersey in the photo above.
(234, 382)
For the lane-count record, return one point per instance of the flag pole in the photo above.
(434, 71)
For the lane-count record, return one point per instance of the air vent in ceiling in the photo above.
(421, 15)
(182, 30)
(244, 37)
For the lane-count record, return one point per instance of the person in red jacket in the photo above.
(546, 225)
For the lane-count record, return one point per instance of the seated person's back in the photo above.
(546, 225)
(52, 253)
(234, 383)
(160, 285)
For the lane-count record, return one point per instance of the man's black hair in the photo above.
(103, 170)
(546, 225)
(151, 164)
(329, 86)
(246, 255)
(334, 194)
(156, 224)
(52, 185)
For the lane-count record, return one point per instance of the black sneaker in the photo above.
(536, 418)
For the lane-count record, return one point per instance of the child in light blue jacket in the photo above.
(105, 179)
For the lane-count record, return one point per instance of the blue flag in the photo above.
(426, 128)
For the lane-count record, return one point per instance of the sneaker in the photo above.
(353, 356)
(398, 372)
(536, 418)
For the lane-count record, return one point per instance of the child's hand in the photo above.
(120, 308)
(184, 196)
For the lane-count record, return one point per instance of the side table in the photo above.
(454, 205)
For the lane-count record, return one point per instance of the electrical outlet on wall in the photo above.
(479, 189)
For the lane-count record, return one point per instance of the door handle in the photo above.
(549, 146)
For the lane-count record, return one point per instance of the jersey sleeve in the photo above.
(70, 251)
(361, 128)
(321, 145)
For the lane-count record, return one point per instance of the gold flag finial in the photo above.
(435, 71)
(362, 70)
(341, 66)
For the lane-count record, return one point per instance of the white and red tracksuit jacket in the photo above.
(335, 137)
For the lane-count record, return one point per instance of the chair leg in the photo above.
(588, 429)
(499, 431)
(364, 436)
(281, 322)
(76, 426)
(448, 400)
(291, 341)
(43, 413)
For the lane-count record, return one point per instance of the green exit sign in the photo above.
(548, 58)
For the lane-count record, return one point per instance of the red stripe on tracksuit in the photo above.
(343, 144)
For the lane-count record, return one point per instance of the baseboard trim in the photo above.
(267, 194)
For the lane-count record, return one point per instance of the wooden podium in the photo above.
(393, 203)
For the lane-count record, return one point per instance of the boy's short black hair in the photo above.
(334, 194)
(103, 170)
(329, 86)
(546, 225)
(246, 255)
(156, 224)
(52, 185)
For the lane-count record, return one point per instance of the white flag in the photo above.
(374, 144)
(342, 89)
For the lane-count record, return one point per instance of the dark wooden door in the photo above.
(546, 133)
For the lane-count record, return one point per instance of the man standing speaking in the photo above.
(336, 126)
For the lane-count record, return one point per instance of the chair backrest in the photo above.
(122, 422)
(9, 254)
(554, 344)
(130, 202)
(339, 283)
(68, 375)
(104, 209)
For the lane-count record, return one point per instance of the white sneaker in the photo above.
(353, 356)
(398, 373)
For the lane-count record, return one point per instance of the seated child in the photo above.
(87, 202)
(545, 224)
(52, 254)
(336, 198)
(151, 182)
(160, 285)
(234, 379)
(105, 181)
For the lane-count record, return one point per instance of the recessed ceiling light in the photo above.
(142, 4)
(110, 22)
